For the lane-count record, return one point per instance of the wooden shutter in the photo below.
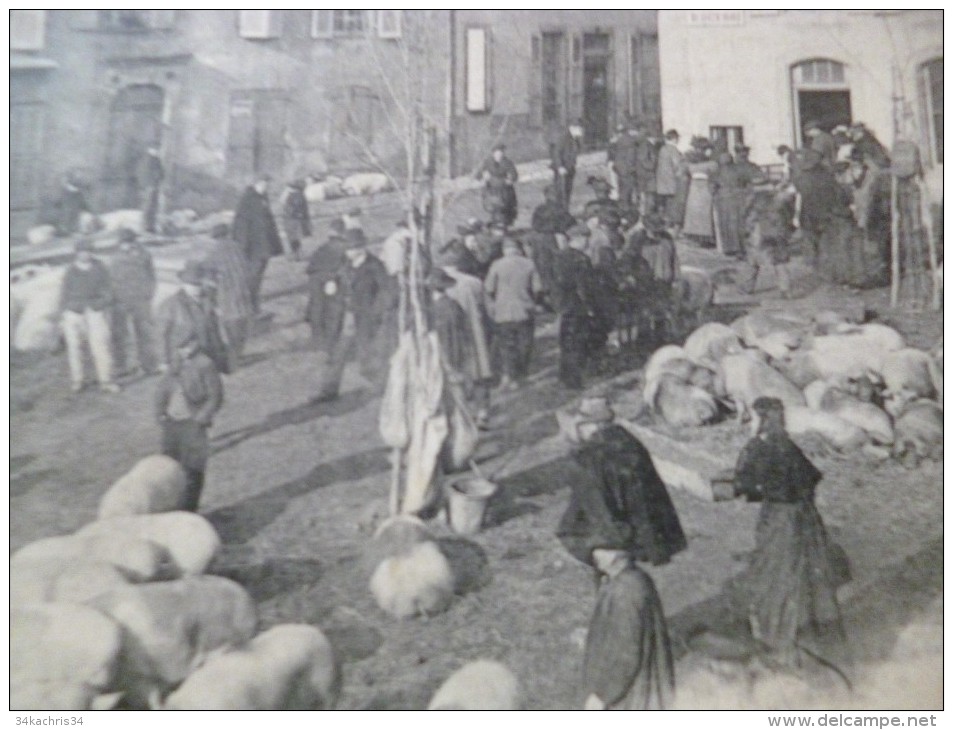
(536, 82)
(575, 77)
(477, 65)
(322, 23)
(389, 23)
(257, 24)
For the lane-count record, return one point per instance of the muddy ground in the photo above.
(289, 480)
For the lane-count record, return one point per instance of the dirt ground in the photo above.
(289, 480)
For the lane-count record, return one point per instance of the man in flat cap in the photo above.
(671, 178)
(133, 276)
(563, 154)
(575, 301)
(192, 310)
(499, 175)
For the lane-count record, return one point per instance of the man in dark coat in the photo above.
(628, 663)
(549, 220)
(325, 309)
(369, 302)
(256, 233)
(574, 300)
(187, 399)
(618, 500)
(499, 196)
(296, 217)
(451, 324)
(190, 310)
(563, 154)
(149, 176)
(624, 159)
(824, 214)
(69, 205)
(133, 276)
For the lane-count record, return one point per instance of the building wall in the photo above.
(735, 69)
(513, 77)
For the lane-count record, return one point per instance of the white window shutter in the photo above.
(27, 30)
(322, 23)
(389, 23)
(476, 60)
(257, 24)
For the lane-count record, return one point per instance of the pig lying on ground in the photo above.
(35, 299)
(913, 371)
(289, 667)
(40, 235)
(711, 342)
(479, 685)
(38, 568)
(112, 221)
(823, 396)
(681, 404)
(658, 362)
(155, 484)
(412, 576)
(366, 183)
(744, 378)
(327, 189)
(918, 433)
(841, 434)
(757, 324)
(62, 656)
(190, 539)
(171, 628)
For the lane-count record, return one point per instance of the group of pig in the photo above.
(122, 613)
(330, 187)
(855, 386)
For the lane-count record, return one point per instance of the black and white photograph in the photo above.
(460, 359)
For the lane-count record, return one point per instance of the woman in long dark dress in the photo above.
(618, 500)
(790, 584)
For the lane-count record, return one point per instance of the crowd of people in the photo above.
(604, 275)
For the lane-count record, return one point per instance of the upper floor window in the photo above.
(27, 30)
(257, 24)
(133, 20)
(344, 23)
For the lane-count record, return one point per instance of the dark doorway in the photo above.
(256, 132)
(828, 108)
(135, 123)
(595, 80)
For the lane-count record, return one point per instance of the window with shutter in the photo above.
(27, 30)
(257, 24)
(389, 23)
(477, 54)
(321, 23)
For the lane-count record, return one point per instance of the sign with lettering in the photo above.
(716, 17)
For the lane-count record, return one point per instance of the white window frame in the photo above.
(477, 70)
(27, 30)
(257, 24)
(389, 23)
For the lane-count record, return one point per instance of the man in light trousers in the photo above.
(85, 302)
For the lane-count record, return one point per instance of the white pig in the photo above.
(479, 685)
(40, 235)
(366, 183)
(659, 360)
(155, 484)
(288, 667)
(841, 434)
(911, 370)
(744, 378)
(711, 342)
(418, 582)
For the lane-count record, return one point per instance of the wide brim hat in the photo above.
(672, 134)
(499, 146)
(354, 238)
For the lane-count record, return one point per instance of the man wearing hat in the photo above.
(513, 288)
(823, 215)
(623, 158)
(575, 301)
(647, 158)
(549, 220)
(671, 178)
(325, 309)
(85, 300)
(563, 154)
(499, 175)
(191, 312)
(822, 142)
(370, 302)
(133, 278)
(232, 297)
(149, 176)
(256, 234)
(187, 399)
(296, 218)
(451, 325)
(750, 173)
(618, 500)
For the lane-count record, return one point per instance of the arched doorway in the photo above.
(821, 93)
(135, 123)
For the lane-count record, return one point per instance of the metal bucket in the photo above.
(466, 503)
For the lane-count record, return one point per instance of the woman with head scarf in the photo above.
(790, 584)
(618, 501)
